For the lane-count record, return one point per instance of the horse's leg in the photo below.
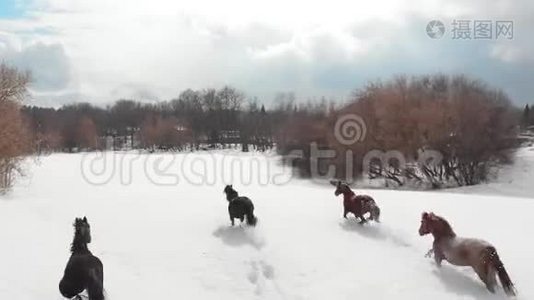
(489, 271)
(232, 220)
(345, 212)
(492, 278)
(363, 220)
(364, 210)
(482, 273)
(438, 255)
(70, 290)
(438, 259)
(371, 217)
(95, 287)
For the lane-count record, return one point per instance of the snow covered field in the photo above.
(162, 240)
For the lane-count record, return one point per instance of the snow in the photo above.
(159, 239)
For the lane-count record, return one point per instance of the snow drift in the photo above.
(172, 240)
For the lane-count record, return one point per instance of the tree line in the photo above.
(469, 125)
(472, 125)
(196, 119)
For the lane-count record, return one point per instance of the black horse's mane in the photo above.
(78, 245)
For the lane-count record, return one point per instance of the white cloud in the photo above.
(48, 63)
(153, 49)
(507, 53)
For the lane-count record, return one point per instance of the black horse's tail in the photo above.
(95, 288)
(251, 218)
(496, 262)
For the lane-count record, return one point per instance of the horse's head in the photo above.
(230, 192)
(341, 187)
(228, 189)
(82, 230)
(438, 226)
(426, 220)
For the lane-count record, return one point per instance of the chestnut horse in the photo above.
(359, 205)
(478, 254)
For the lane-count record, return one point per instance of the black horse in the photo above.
(239, 207)
(84, 271)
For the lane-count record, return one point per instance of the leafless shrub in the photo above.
(466, 121)
(14, 136)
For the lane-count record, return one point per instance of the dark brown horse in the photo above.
(359, 205)
(478, 254)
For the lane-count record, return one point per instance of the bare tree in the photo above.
(86, 134)
(14, 137)
(469, 123)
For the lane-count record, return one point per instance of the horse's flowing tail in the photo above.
(496, 262)
(251, 218)
(375, 213)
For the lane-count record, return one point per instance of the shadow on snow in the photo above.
(237, 236)
(461, 284)
(374, 231)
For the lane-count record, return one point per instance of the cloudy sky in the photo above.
(102, 50)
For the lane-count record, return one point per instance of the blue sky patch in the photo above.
(11, 9)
